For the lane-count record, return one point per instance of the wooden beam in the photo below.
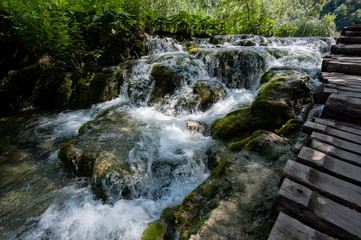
(310, 127)
(330, 165)
(342, 144)
(287, 228)
(336, 189)
(347, 127)
(343, 108)
(318, 211)
(336, 152)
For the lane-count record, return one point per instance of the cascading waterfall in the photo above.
(167, 159)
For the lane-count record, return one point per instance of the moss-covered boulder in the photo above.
(16, 88)
(208, 93)
(235, 67)
(163, 228)
(265, 143)
(167, 79)
(234, 202)
(101, 151)
(281, 99)
(52, 90)
(96, 87)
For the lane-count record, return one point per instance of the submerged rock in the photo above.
(101, 150)
(283, 97)
(195, 126)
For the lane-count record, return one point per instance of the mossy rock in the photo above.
(265, 143)
(290, 128)
(209, 93)
(94, 88)
(167, 79)
(162, 228)
(155, 231)
(280, 100)
(53, 89)
(98, 154)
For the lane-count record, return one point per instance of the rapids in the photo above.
(39, 199)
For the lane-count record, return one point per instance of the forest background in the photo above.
(86, 34)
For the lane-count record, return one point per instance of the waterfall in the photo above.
(166, 160)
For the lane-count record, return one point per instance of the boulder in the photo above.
(281, 99)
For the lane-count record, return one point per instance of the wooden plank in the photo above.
(330, 165)
(336, 152)
(336, 75)
(336, 189)
(354, 49)
(354, 128)
(347, 127)
(334, 141)
(349, 87)
(318, 212)
(344, 82)
(349, 40)
(328, 91)
(287, 228)
(343, 108)
(343, 67)
(352, 33)
(310, 127)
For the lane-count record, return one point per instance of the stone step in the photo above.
(354, 49)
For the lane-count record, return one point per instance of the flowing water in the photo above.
(39, 199)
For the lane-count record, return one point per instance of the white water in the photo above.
(75, 214)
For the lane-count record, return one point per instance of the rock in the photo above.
(265, 143)
(167, 79)
(280, 100)
(208, 92)
(235, 67)
(101, 150)
(195, 126)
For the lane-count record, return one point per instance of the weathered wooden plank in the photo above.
(336, 75)
(350, 87)
(318, 212)
(330, 165)
(310, 127)
(336, 189)
(336, 152)
(328, 91)
(347, 127)
(344, 83)
(349, 40)
(353, 27)
(343, 108)
(342, 144)
(354, 49)
(287, 228)
(343, 67)
(352, 33)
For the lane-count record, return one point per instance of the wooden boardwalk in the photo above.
(320, 196)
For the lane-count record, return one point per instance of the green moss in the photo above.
(85, 127)
(97, 86)
(139, 47)
(155, 231)
(221, 169)
(291, 127)
(167, 79)
(208, 93)
(235, 124)
(267, 76)
(119, 76)
(274, 105)
(193, 49)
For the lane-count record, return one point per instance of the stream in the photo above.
(40, 199)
